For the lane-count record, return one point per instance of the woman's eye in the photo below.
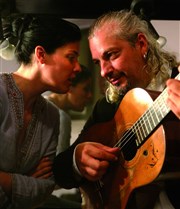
(72, 58)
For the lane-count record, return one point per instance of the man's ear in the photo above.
(143, 44)
(40, 54)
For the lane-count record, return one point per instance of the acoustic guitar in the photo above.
(137, 129)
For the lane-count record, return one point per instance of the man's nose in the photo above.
(106, 68)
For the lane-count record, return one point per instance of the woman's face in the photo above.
(61, 67)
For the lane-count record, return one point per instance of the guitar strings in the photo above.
(129, 134)
(136, 126)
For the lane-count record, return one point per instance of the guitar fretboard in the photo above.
(151, 118)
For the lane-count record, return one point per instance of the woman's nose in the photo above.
(77, 67)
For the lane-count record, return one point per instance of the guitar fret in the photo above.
(159, 109)
(164, 108)
(149, 127)
(143, 128)
(138, 141)
(151, 118)
(155, 118)
(146, 130)
(156, 115)
(140, 133)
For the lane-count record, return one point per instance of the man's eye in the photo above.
(109, 56)
(112, 55)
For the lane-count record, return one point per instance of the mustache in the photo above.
(112, 76)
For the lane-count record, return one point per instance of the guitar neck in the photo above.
(150, 120)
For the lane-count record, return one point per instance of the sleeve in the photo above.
(63, 169)
(29, 192)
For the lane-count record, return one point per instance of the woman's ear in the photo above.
(40, 54)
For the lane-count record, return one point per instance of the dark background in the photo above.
(154, 9)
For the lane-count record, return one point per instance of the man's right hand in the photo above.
(93, 159)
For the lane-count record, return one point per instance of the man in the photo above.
(129, 57)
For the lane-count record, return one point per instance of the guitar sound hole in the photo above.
(128, 145)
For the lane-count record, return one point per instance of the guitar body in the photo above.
(135, 167)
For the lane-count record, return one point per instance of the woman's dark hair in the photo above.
(28, 31)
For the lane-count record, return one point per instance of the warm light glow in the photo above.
(7, 50)
(161, 41)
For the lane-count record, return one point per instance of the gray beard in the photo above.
(124, 90)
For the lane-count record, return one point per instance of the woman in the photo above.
(47, 49)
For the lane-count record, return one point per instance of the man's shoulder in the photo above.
(103, 110)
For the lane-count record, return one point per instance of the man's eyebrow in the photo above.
(104, 56)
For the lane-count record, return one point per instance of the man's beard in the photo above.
(123, 90)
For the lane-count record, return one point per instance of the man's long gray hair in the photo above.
(129, 25)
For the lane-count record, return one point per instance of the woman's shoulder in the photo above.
(51, 110)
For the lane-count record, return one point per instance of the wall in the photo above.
(8, 66)
(170, 30)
